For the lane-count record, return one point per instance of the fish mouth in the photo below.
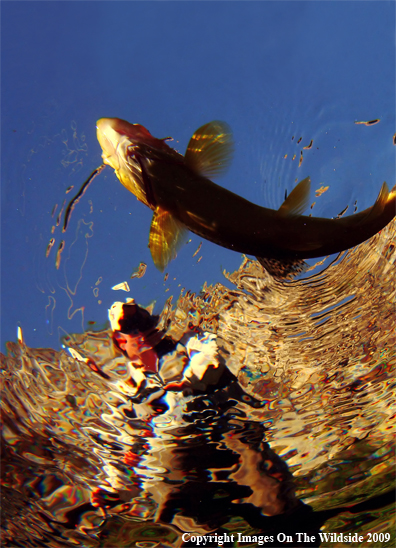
(110, 140)
(119, 139)
(119, 142)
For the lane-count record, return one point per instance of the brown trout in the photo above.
(178, 189)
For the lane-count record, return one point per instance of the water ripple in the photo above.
(87, 461)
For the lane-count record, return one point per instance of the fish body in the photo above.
(181, 194)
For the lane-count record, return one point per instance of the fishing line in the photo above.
(79, 194)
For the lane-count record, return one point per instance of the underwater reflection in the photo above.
(262, 411)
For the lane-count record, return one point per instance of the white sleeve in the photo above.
(202, 352)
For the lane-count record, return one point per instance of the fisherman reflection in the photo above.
(199, 457)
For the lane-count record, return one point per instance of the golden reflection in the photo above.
(264, 398)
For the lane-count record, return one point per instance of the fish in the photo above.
(180, 192)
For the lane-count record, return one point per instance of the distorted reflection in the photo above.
(264, 410)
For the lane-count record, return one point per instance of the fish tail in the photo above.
(283, 269)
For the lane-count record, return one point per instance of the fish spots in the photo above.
(308, 146)
(123, 286)
(140, 271)
(301, 159)
(394, 139)
(321, 191)
(369, 123)
(69, 189)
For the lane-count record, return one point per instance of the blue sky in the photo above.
(272, 70)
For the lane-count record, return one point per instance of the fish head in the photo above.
(124, 147)
(111, 137)
(118, 137)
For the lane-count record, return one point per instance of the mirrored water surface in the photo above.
(297, 410)
(221, 403)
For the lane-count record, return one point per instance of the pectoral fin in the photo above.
(297, 201)
(167, 235)
(210, 149)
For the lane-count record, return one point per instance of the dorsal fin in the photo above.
(376, 209)
(297, 201)
(210, 149)
(167, 235)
